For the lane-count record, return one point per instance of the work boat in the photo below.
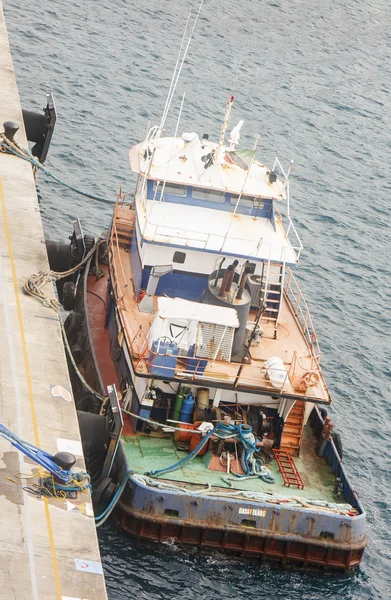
(190, 325)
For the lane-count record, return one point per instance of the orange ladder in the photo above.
(287, 468)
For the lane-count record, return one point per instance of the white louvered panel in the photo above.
(255, 285)
(212, 338)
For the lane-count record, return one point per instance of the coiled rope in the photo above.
(24, 154)
(252, 467)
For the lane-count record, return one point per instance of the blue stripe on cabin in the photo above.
(191, 198)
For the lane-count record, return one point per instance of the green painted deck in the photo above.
(145, 453)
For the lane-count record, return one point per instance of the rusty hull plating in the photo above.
(260, 530)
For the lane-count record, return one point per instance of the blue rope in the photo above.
(187, 459)
(223, 431)
(30, 158)
(107, 512)
(41, 457)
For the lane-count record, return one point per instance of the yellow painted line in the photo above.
(52, 548)
(19, 311)
(29, 384)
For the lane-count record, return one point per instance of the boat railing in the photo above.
(136, 337)
(291, 233)
(293, 237)
(201, 369)
(302, 313)
(197, 237)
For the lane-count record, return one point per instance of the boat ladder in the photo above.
(271, 292)
(287, 468)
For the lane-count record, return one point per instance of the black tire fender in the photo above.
(323, 412)
(104, 493)
(77, 353)
(72, 325)
(95, 434)
(59, 255)
(337, 443)
(89, 242)
(68, 295)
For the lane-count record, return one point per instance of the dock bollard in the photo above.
(10, 129)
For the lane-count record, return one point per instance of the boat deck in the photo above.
(145, 453)
(291, 343)
(48, 547)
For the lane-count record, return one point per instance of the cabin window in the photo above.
(247, 201)
(209, 195)
(173, 189)
(179, 257)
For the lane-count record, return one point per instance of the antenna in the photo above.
(225, 124)
(177, 71)
(172, 146)
(238, 69)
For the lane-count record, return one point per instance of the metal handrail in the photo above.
(302, 313)
(202, 243)
(291, 226)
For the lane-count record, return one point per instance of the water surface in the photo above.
(314, 83)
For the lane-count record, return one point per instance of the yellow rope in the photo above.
(32, 287)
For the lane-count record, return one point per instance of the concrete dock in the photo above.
(48, 547)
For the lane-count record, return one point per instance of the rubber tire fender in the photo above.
(89, 242)
(104, 493)
(77, 353)
(95, 434)
(337, 443)
(59, 255)
(323, 413)
(68, 295)
(72, 325)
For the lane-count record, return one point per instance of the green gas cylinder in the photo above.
(182, 392)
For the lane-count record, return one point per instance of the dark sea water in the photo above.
(315, 83)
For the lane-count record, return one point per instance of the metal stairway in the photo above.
(271, 292)
(293, 429)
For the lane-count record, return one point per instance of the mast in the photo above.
(225, 124)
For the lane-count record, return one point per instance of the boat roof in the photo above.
(177, 308)
(215, 231)
(182, 160)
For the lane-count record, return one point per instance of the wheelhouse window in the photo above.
(247, 201)
(209, 195)
(173, 189)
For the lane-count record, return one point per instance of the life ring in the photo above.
(311, 378)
